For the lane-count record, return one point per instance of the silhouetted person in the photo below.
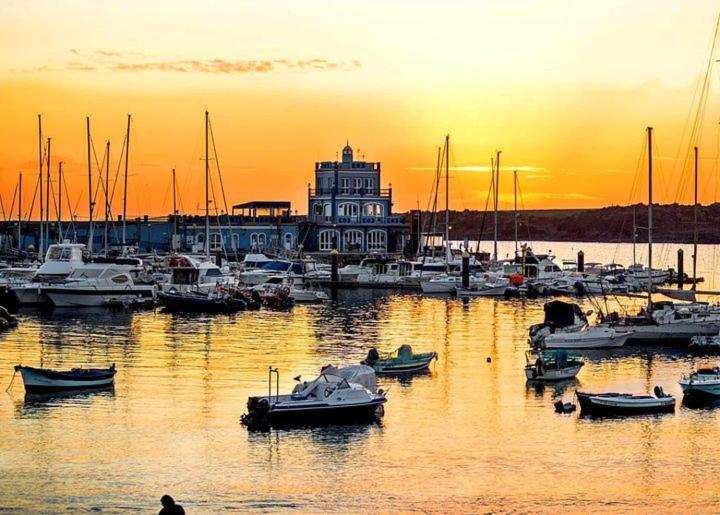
(169, 506)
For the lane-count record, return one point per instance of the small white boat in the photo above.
(335, 396)
(45, 380)
(618, 404)
(305, 293)
(589, 337)
(704, 382)
(552, 366)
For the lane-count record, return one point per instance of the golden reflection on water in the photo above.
(469, 436)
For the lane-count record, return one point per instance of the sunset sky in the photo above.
(565, 88)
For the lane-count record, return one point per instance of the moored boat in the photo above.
(552, 366)
(702, 383)
(330, 398)
(619, 404)
(400, 361)
(38, 380)
(196, 302)
(588, 337)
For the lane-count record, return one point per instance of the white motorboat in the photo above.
(188, 273)
(702, 383)
(272, 268)
(253, 260)
(620, 404)
(668, 322)
(305, 293)
(44, 380)
(96, 285)
(60, 260)
(334, 396)
(551, 366)
(589, 337)
(560, 317)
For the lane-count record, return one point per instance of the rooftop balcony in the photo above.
(357, 220)
(351, 192)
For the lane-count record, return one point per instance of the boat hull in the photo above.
(413, 367)
(598, 405)
(617, 341)
(552, 374)
(30, 296)
(197, 304)
(42, 381)
(705, 389)
(92, 297)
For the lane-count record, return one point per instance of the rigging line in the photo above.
(633, 191)
(2, 207)
(67, 197)
(222, 189)
(99, 166)
(117, 172)
(523, 209)
(32, 204)
(491, 188)
(12, 206)
(433, 217)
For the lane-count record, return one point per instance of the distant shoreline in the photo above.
(672, 223)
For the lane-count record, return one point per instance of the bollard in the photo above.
(465, 269)
(334, 266)
(581, 261)
(680, 268)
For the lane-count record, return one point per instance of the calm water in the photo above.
(471, 436)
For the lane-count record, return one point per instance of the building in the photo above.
(350, 211)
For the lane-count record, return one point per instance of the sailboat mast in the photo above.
(495, 214)
(650, 217)
(515, 184)
(47, 196)
(20, 213)
(207, 189)
(695, 224)
(174, 241)
(90, 190)
(40, 185)
(447, 197)
(59, 209)
(127, 157)
(634, 237)
(107, 196)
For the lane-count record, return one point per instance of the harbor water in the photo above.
(471, 436)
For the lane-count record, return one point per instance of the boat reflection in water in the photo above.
(35, 404)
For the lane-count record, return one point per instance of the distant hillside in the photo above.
(671, 224)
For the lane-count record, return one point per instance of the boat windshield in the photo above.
(278, 266)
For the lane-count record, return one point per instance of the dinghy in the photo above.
(619, 404)
(330, 398)
(195, 302)
(39, 380)
(702, 383)
(401, 361)
(551, 366)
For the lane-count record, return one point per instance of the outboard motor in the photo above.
(659, 392)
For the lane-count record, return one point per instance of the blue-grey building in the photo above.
(349, 210)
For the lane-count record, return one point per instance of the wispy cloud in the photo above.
(110, 60)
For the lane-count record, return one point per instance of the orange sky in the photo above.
(565, 88)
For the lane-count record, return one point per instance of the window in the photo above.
(352, 240)
(254, 240)
(327, 208)
(376, 240)
(369, 185)
(261, 239)
(200, 238)
(120, 279)
(216, 242)
(348, 209)
(288, 241)
(327, 239)
(317, 208)
(345, 185)
(235, 241)
(373, 209)
(358, 184)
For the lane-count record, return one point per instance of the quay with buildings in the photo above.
(348, 210)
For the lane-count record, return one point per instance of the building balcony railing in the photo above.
(361, 192)
(357, 220)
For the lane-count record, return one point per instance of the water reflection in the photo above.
(42, 404)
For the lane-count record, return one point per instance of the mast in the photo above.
(127, 157)
(174, 241)
(495, 194)
(107, 196)
(695, 224)
(90, 190)
(634, 237)
(47, 196)
(207, 189)
(650, 218)
(20, 213)
(447, 198)
(40, 184)
(59, 208)
(515, 184)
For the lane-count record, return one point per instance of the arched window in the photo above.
(376, 240)
(317, 208)
(352, 240)
(254, 241)
(288, 241)
(373, 209)
(216, 242)
(348, 209)
(261, 240)
(200, 238)
(327, 209)
(235, 241)
(327, 239)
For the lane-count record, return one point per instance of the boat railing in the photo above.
(272, 371)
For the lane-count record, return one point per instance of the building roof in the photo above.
(264, 204)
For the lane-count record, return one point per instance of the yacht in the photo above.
(187, 273)
(307, 292)
(271, 268)
(98, 284)
(666, 321)
(60, 260)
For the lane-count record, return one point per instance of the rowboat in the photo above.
(400, 361)
(38, 380)
(619, 404)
